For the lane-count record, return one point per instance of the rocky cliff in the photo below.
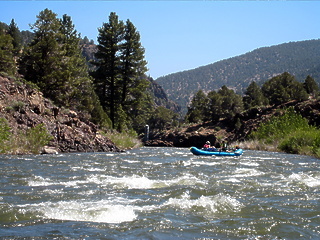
(231, 130)
(24, 107)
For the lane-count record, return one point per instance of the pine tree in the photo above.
(231, 102)
(77, 92)
(74, 71)
(119, 77)
(14, 32)
(215, 103)
(197, 111)
(134, 82)
(7, 62)
(283, 88)
(162, 118)
(254, 96)
(311, 86)
(142, 109)
(108, 72)
(55, 63)
(134, 65)
(43, 59)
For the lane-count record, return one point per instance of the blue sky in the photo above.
(182, 35)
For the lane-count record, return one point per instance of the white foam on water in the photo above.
(187, 163)
(182, 153)
(208, 206)
(247, 172)
(95, 169)
(107, 211)
(186, 179)
(130, 182)
(207, 163)
(234, 180)
(131, 161)
(37, 181)
(308, 180)
(142, 182)
(40, 181)
(135, 182)
(251, 164)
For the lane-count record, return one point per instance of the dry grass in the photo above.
(256, 145)
(124, 140)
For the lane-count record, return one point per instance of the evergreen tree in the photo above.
(85, 40)
(74, 71)
(215, 103)
(197, 111)
(27, 37)
(7, 62)
(77, 92)
(162, 118)
(141, 110)
(134, 82)
(44, 58)
(254, 96)
(108, 72)
(119, 77)
(14, 32)
(311, 86)
(55, 63)
(3, 27)
(222, 104)
(134, 65)
(140, 106)
(231, 102)
(283, 88)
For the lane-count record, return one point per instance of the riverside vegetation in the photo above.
(31, 141)
(110, 90)
(282, 115)
(290, 133)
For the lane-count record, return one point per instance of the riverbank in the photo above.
(23, 107)
(295, 132)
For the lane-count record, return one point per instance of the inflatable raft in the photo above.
(197, 151)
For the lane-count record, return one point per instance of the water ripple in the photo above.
(159, 193)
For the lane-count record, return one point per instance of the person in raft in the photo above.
(224, 146)
(207, 146)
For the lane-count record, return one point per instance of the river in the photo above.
(159, 193)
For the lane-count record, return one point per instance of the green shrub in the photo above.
(9, 109)
(301, 142)
(31, 141)
(4, 134)
(316, 145)
(37, 138)
(279, 126)
(290, 133)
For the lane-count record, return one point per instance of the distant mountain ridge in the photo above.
(298, 58)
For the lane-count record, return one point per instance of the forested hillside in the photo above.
(297, 58)
(106, 81)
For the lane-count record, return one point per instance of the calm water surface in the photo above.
(159, 193)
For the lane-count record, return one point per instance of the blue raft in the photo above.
(197, 151)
